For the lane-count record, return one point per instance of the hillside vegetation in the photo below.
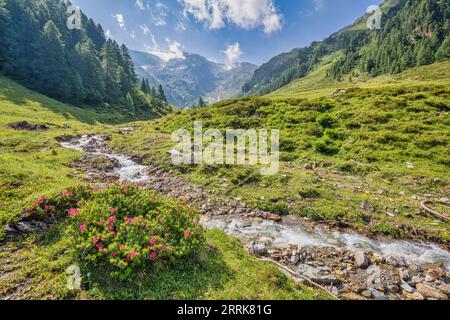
(33, 164)
(78, 66)
(384, 141)
(413, 33)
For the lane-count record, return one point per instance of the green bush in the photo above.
(326, 146)
(127, 228)
(325, 120)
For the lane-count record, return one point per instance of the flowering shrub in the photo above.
(128, 227)
(57, 205)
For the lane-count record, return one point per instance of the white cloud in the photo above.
(172, 50)
(140, 5)
(246, 14)
(180, 27)
(133, 34)
(318, 5)
(232, 53)
(120, 20)
(145, 29)
(159, 14)
(108, 34)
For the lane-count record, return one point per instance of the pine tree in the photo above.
(201, 102)
(161, 95)
(4, 54)
(50, 64)
(110, 68)
(90, 69)
(443, 52)
(144, 87)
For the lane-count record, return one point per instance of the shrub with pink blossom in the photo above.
(127, 227)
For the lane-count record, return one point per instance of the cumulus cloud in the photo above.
(172, 50)
(232, 54)
(246, 14)
(120, 20)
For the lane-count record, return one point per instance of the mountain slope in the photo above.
(77, 66)
(413, 33)
(383, 141)
(186, 80)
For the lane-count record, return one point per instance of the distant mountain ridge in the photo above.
(186, 80)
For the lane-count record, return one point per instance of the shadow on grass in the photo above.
(21, 95)
(189, 279)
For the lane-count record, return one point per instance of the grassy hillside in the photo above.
(384, 141)
(33, 164)
(317, 84)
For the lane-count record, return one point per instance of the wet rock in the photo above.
(430, 292)
(406, 288)
(404, 275)
(429, 278)
(321, 275)
(396, 261)
(445, 288)
(265, 241)
(378, 295)
(413, 296)
(260, 249)
(366, 206)
(361, 260)
(295, 258)
(352, 296)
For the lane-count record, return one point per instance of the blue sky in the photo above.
(222, 30)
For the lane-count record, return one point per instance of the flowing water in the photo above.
(290, 231)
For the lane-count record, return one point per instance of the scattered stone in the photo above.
(429, 278)
(445, 200)
(413, 296)
(430, 292)
(409, 165)
(366, 206)
(260, 249)
(404, 275)
(352, 296)
(445, 288)
(25, 125)
(321, 275)
(266, 241)
(361, 260)
(407, 288)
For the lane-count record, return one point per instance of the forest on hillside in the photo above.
(413, 33)
(78, 66)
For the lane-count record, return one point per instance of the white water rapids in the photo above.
(290, 231)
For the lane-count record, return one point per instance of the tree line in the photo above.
(79, 66)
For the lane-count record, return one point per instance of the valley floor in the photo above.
(378, 153)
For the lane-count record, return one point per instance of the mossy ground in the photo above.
(32, 164)
(362, 141)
